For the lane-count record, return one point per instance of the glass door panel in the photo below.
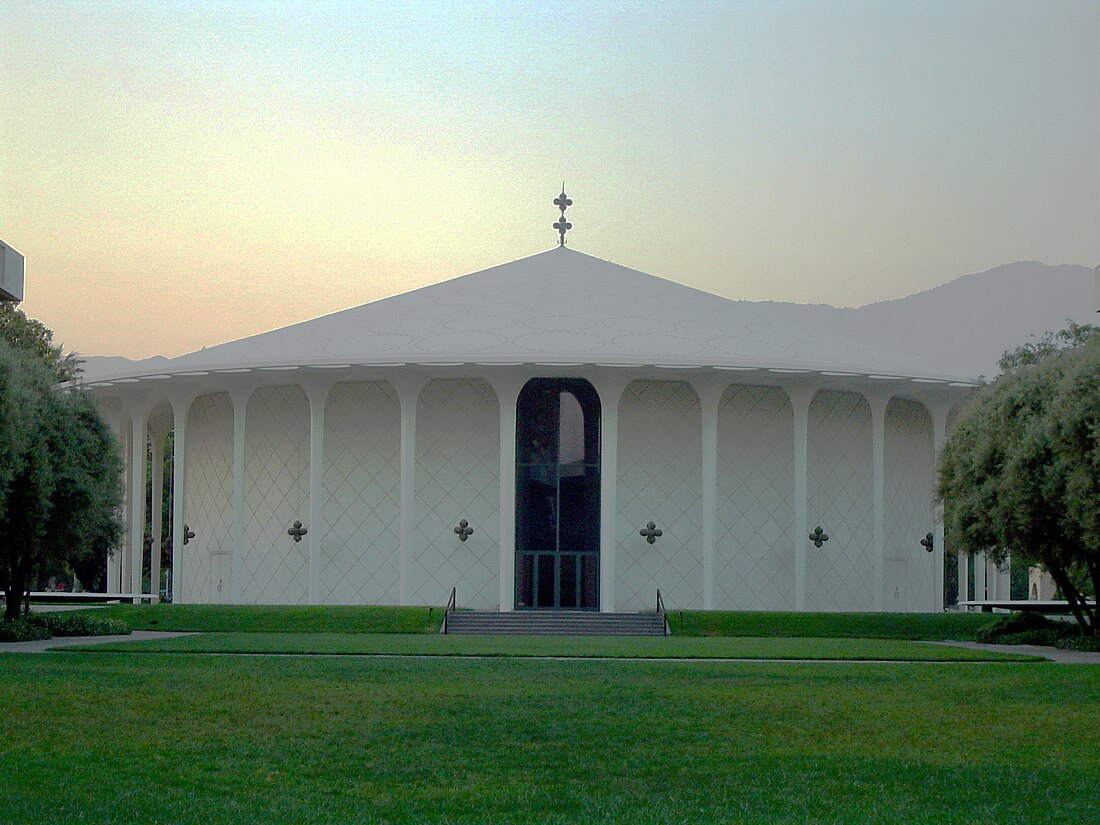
(557, 495)
(546, 581)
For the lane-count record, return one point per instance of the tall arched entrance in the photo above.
(558, 495)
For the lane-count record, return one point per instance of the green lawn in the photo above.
(251, 618)
(577, 646)
(355, 619)
(123, 738)
(929, 626)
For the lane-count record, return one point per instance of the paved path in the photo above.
(1064, 657)
(77, 641)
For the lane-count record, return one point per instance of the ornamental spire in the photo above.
(563, 202)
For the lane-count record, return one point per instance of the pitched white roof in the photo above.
(559, 306)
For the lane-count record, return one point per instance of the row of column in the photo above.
(991, 582)
(127, 572)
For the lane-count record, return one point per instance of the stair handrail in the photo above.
(663, 613)
(448, 610)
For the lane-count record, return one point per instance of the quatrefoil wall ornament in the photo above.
(651, 532)
(928, 542)
(188, 534)
(819, 536)
(297, 531)
(464, 530)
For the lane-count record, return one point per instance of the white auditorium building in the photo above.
(515, 432)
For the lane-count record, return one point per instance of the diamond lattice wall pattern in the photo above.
(660, 480)
(275, 569)
(457, 477)
(360, 554)
(840, 574)
(208, 502)
(754, 558)
(910, 574)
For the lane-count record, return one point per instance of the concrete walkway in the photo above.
(78, 641)
(1063, 657)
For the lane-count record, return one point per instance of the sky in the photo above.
(182, 174)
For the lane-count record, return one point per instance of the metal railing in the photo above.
(448, 610)
(663, 613)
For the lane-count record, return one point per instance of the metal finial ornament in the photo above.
(563, 202)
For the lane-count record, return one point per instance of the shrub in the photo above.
(22, 630)
(63, 624)
(1076, 641)
(1025, 628)
(1012, 625)
(1048, 636)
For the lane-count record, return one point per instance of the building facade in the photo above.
(557, 432)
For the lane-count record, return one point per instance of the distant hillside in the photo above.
(970, 321)
(964, 325)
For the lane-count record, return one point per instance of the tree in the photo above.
(60, 488)
(36, 339)
(1020, 473)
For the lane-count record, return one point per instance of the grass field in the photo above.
(576, 646)
(113, 738)
(251, 618)
(284, 619)
(928, 626)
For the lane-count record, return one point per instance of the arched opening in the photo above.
(558, 495)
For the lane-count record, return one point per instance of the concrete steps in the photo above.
(554, 623)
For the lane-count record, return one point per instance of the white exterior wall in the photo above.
(274, 567)
(457, 477)
(208, 500)
(910, 571)
(840, 574)
(659, 480)
(754, 559)
(360, 554)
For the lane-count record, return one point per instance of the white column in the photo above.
(981, 568)
(124, 554)
(508, 391)
(710, 396)
(878, 404)
(800, 397)
(964, 577)
(114, 560)
(138, 445)
(157, 514)
(408, 391)
(1003, 579)
(180, 406)
(318, 396)
(239, 398)
(939, 438)
(610, 391)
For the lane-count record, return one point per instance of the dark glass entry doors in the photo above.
(558, 495)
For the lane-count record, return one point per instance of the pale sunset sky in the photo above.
(181, 174)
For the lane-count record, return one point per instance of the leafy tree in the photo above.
(1020, 472)
(36, 339)
(60, 487)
